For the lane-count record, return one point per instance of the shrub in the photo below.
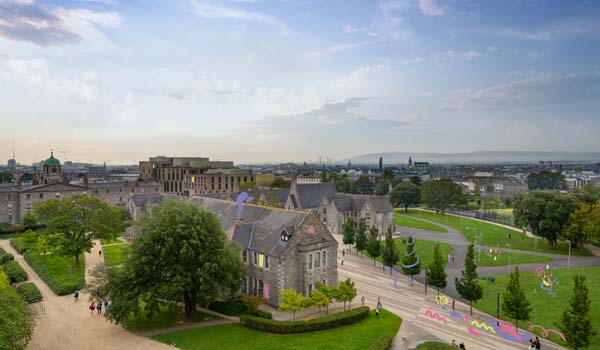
(317, 324)
(19, 244)
(4, 281)
(236, 308)
(5, 257)
(382, 343)
(57, 271)
(15, 272)
(29, 292)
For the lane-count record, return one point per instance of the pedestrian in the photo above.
(343, 252)
(453, 257)
(76, 295)
(454, 344)
(377, 312)
(509, 235)
(105, 304)
(537, 343)
(462, 345)
(99, 307)
(531, 345)
(362, 300)
(342, 261)
(449, 257)
(453, 302)
(379, 302)
(100, 252)
(92, 307)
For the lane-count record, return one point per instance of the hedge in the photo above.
(4, 281)
(14, 271)
(236, 308)
(58, 274)
(317, 324)
(5, 257)
(29, 292)
(382, 343)
(19, 245)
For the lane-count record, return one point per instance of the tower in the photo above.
(410, 162)
(380, 165)
(52, 168)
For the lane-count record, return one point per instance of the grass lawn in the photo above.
(548, 309)
(494, 234)
(515, 258)
(105, 241)
(404, 220)
(166, 317)
(434, 345)
(358, 336)
(59, 272)
(115, 254)
(424, 250)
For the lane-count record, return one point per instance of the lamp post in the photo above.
(569, 261)
(508, 244)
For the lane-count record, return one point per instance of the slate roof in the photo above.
(95, 185)
(282, 194)
(349, 202)
(140, 200)
(310, 194)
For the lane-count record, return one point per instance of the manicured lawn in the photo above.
(405, 220)
(166, 317)
(424, 250)
(105, 241)
(547, 309)
(358, 336)
(115, 254)
(494, 234)
(434, 345)
(502, 259)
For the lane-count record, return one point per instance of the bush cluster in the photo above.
(14, 271)
(382, 343)
(236, 308)
(61, 283)
(29, 292)
(19, 244)
(317, 324)
(5, 257)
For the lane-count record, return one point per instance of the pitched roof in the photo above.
(141, 200)
(282, 193)
(310, 194)
(354, 202)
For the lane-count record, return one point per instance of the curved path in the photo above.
(64, 324)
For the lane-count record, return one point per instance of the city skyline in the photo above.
(254, 81)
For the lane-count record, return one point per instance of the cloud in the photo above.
(430, 8)
(359, 74)
(577, 26)
(539, 89)
(104, 2)
(213, 11)
(335, 49)
(463, 56)
(25, 20)
(351, 29)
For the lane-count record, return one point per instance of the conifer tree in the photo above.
(374, 244)
(515, 304)
(349, 232)
(575, 322)
(390, 253)
(411, 264)
(436, 273)
(467, 286)
(361, 237)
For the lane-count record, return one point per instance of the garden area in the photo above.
(115, 253)
(358, 336)
(167, 316)
(547, 309)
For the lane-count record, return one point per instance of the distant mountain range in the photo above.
(479, 157)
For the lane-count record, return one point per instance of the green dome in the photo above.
(52, 161)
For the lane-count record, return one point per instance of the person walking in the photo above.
(462, 345)
(377, 312)
(362, 300)
(105, 304)
(452, 257)
(76, 295)
(343, 252)
(379, 302)
(92, 307)
(454, 344)
(99, 307)
(537, 343)
(100, 252)
(453, 302)
(531, 345)
(342, 261)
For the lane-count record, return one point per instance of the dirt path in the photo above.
(67, 325)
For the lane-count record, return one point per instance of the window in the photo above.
(107, 191)
(120, 190)
(132, 190)
(28, 196)
(9, 196)
(255, 258)
(41, 196)
(324, 258)
(317, 260)
(266, 261)
(310, 288)
(120, 199)
(261, 260)
(310, 261)
(245, 255)
(255, 286)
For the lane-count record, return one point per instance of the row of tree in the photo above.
(292, 301)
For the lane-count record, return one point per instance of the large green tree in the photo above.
(436, 272)
(546, 180)
(388, 174)
(467, 285)
(382, 187)
(405, 194)
(416, 180)
(580, 228)
(5, 176)
(361, 237)
(576, 323)
(374, 244)
(440, 194)
(515, 304)
(76, 221)
(546, 212)
(349, 232)
(409, 261)
(363, 186)
(390, 253)
(181, 255)
(16, 321)
(588, 193)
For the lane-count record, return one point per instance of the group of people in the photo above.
(534, 344)
(98, 307)
(460, 346)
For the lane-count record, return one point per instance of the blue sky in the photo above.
(289, 80)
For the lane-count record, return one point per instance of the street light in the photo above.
(508, 244)
(569, 261)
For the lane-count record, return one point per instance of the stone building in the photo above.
(281, 248)
(16, 199)
(190, 176)
(334, 209)
(307, 196)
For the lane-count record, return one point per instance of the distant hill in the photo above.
(479, 157)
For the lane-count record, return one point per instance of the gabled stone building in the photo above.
(377, 211)
(307, 196)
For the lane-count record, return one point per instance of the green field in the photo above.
(548, 309)
(434, 345)
(494, 234)
(358, 336)
(115, 254)
(424, 250)
(502, 258)
(404, 220)
(165, 318)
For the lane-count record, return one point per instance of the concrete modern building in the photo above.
(281, 248)
(335, 209)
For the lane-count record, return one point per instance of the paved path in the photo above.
(411, 303)
(66, 325)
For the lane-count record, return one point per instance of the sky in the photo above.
(294, 80)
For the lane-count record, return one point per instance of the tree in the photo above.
(5, 176)
(411, 264)
(349, 232)
(405, 194)
(42, 245)
(468, 286)
(329, 292)
(546, 212)
(390, 254)
(579, 227)
(436, 272)
(546, 180)
(382, 187)
(281, 183)
(415, 180)
(363, 186)
(346, 292)
(319, 299)
(77, 221)
(490, 188)
(440, 194)
(16, 321)
(342, 184)
(575, 322)
(361, 237)
(388, 174)
(292, 301)
(181, 255)
(588, 193)
(515, 304)
(374, 244)
(29, 220)
(26, 177)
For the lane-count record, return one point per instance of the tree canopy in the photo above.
(436, 272)
(346, 292)
(515, 304)
(374, 244)
(405, 194)
(292, 301)
(5, 176)
(281, 183)
(441, 194)
(361, 236)
(349, 232)
(16, 321)
(576, 323)
(382, 187)
(411, 263)
(467, 285)
(390, 253)
(546, 180)
(363, 186)
(584, 224)
(181, 255)
(77, 221)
